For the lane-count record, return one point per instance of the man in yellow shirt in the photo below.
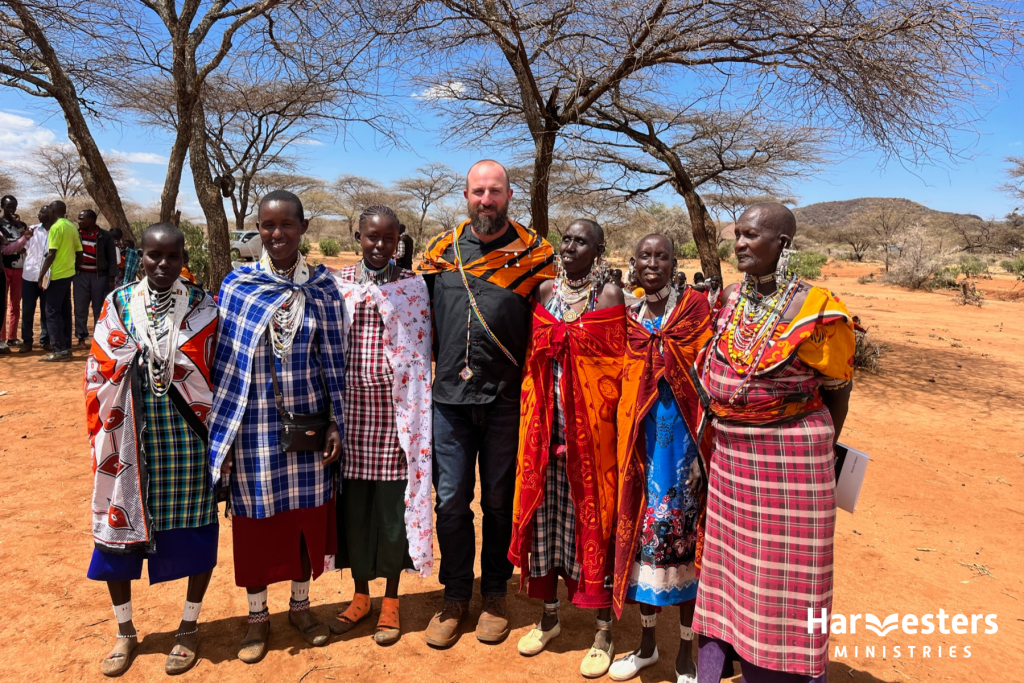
(55, 276)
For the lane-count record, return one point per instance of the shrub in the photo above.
(305, 246)
(198, 255)
(807, 264)
(1015, 267)
(945, 278)
(689, 251)
(972, 266)
(330, 247)
(920, 259)
(866, 279)
(725, 251)
(867, 352)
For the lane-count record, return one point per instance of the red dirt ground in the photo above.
(939, 525)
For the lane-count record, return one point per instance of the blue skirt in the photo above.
(179, 553)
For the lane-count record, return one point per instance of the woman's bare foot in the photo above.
(254, 642)
(120, 657)
(185, 652)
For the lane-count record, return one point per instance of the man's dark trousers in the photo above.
(58, 314)
(461, 432)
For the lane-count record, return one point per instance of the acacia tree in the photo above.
(45, 52)
(648, 145)
(901, 75)
(432, 184)
(887, 225)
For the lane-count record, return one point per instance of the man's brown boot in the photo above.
(443, 629)
(493, 624)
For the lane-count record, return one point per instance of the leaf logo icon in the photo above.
(881, 628)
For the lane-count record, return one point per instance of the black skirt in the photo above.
(371, 529)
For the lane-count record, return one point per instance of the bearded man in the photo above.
(480, 276)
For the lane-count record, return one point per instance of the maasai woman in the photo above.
(385, 523)
(147, 395)
(778, 372)
(564, 509)
(660, 494)
(279, 373)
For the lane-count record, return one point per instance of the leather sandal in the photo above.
(389, 629)
(120, 658)
(183, 657)
(314, 632)
(356, 611)
(254, 648)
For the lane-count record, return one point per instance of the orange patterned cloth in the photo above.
(590, 352)
(820, 335)
(519, 266)
(666, 353)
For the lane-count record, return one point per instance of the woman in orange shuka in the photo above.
(563, 517)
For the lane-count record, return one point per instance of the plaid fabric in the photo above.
(768, 548)
(131, 265)
(371, 448)
(179, 492)
(265, 480)
(554, 524)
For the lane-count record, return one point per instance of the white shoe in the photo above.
(535, 641)
(686, 678)
(630, 665)
(597, 662)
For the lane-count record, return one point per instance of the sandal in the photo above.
(253, 648)
(313, 631)
(184, 655)
(356, 611)
(120, 658)
(388, 627)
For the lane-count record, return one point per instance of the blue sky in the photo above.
(968, 186)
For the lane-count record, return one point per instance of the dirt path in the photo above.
(939, 525)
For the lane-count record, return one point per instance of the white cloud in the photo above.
(141, 157)
(22, 134)
(442, 91)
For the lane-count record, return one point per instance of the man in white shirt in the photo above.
(31, 293)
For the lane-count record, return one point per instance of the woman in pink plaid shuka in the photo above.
(778, 378)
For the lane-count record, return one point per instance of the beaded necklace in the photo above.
(569, 296)
(368, 276)
(285, 321)
(157, 317)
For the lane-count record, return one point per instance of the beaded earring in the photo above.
(631, 274)
(782, 271)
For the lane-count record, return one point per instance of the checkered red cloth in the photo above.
(371, 450)
(768, 548)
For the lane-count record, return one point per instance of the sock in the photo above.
(257, 601)
(300, 590)
(123, 613)
(191, 611)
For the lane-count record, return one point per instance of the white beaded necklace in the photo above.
(157, 317)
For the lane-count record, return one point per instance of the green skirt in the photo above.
(371, 529)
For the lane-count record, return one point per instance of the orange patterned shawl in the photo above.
(520, 266)
(590, 352)
(670, 353)
(820, 335)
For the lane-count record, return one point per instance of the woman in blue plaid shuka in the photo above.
(285, 312)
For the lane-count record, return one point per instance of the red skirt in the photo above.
(269, 550)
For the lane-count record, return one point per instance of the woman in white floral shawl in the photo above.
(384, 517)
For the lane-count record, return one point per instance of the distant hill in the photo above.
(826, 215)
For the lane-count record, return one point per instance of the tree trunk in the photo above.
(95, 174)
(218, 239)
(542, 160)
(705, 233)
(172, 181)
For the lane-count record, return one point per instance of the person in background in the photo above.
(31, 293)
(679, 282)
(150, 359)
(385, 524)
(480, 275)
(55, 276)
(186, 274)
(777, 375)
(405, 249)
(95, 277)
(127, 258)
(12, 228)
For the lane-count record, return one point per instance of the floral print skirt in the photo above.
(663, 572)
